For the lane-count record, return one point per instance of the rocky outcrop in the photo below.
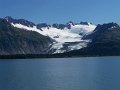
(18, 41)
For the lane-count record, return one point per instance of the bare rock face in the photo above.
(18, 41)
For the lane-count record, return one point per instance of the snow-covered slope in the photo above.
(82, 29)
(66, 39)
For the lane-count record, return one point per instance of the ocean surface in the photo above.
(91, 73)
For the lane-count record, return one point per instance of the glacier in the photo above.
(65, 39)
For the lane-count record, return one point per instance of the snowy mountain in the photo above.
(105, 41)
(66, 37)
(19, 41)
(20, 38)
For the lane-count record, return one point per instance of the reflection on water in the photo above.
(99, 73)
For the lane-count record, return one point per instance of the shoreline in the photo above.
(39, 56)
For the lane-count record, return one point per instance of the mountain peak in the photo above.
(107, 26)
(70, 23)
(42, 25)
(19, 21)
(8, 18)
(84, 23)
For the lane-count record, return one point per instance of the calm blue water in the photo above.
(61, 74)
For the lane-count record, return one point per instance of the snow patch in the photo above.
(63, 36)
(82, 29)
(34, 28)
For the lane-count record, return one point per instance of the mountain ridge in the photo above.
(18, 41)
(70, 39)
(64, 34)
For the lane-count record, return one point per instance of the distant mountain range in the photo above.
(20, 36)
